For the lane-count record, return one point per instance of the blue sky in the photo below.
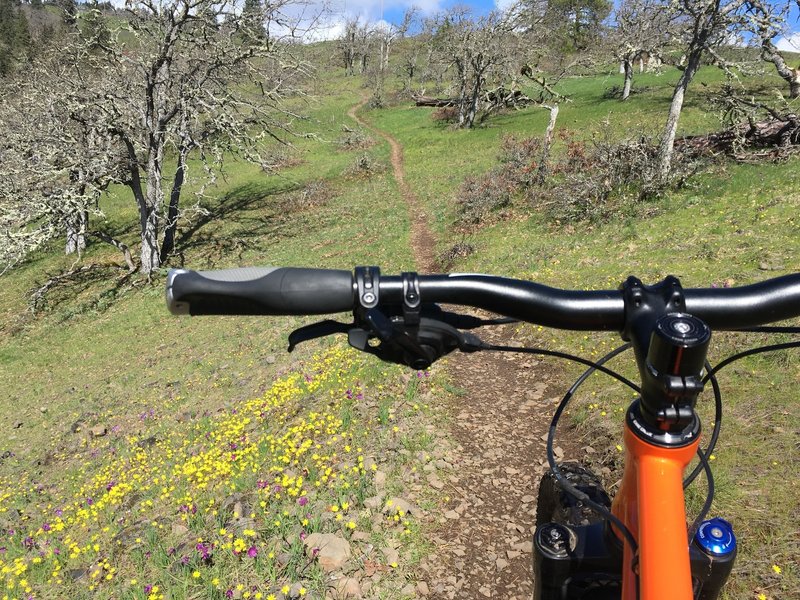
(392, 11)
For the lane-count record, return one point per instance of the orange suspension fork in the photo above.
(650, 502)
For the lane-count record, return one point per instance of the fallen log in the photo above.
(434, 102)
(778, 135)
(498, 97)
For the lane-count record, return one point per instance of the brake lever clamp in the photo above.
(368, 286)
(412, 304)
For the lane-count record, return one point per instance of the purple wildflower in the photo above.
(302, 500)
(205, 551)
(252, 552)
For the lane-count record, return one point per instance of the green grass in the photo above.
(107, 354)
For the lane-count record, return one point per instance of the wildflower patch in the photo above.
(227, 508)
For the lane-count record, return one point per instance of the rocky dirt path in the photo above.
(496, 454)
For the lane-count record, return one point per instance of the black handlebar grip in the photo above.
(260, 291)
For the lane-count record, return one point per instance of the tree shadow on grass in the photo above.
(242, 219)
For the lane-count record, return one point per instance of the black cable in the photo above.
(709, 497)
(750, 352)
(562, 481)
(768, 329)
(592, 365)
(714, 433)
(501, 321)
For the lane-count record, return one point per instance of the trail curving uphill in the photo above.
(423, 243)
(491, 456)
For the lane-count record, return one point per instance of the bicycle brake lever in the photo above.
(316, 330)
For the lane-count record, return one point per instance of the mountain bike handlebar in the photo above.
(298, 291)
(397, 319)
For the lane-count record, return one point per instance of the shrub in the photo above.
(457, 251)
(519, 159)
(279, 158)
(354, 139)
(364, 166)
(315, 194)
(481, 196)
(591, 181)
(445, 114)
(600, 181)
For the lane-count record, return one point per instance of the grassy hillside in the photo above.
(147, 455)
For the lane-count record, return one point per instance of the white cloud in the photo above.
(504, 4)
(372, 10)
(790, 43)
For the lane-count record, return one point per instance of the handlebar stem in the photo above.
(670, 347)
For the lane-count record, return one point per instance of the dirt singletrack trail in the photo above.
(423, 242)
(494, 456)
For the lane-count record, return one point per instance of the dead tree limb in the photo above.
(434, 102)
(773, 135)
(126, 253)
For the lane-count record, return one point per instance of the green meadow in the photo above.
(146, 456)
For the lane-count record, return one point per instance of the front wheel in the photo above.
(571, 557)
(555, 505)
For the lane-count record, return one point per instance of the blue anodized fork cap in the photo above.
(715, 537)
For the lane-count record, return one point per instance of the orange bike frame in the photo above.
(650, 502)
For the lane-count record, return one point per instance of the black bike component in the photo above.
(556, 540)
(367, 286)
(315, 331)
(670, 348)
(588, 565)
(574, 555)
(644, 305)
(430, 340)
(709, 496)
(572, 562)
(721, 308)
(709, 449)
(563, 481)
(751, 352)
(709, 573)
(319, 291)
(412, 304)
(259, 291)
(768, 330)
(566, 356)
